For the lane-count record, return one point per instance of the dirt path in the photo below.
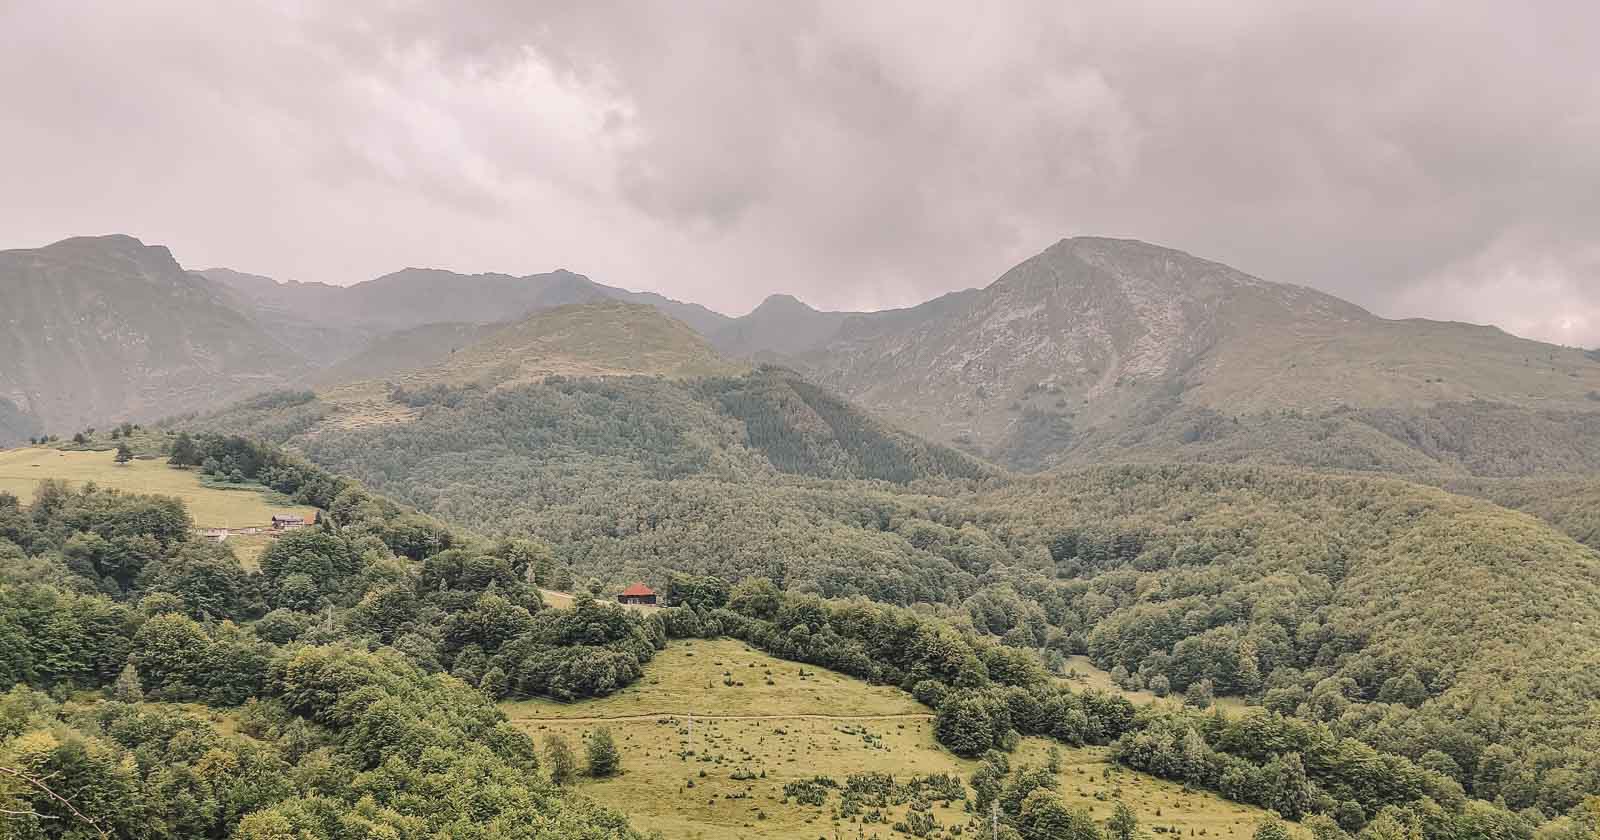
(659, 715)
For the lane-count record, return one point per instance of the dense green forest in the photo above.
(1459, 438)
(329, 664)
(1571, 504)
(1444, 629)
(1414, 620)
(356, 666)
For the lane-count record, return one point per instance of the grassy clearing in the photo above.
(680, 780)
(249, 548)
(690, 677)
(1083, 673)
(211, 505)
(558, 600)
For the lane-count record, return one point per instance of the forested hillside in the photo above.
(325, 713)
(166, 691)
(1572, 505)
(744, 428)
(1455, 632)
(1415, 620)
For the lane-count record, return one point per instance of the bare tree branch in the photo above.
(39, 783)
(10, 813)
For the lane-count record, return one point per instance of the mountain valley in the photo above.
(1208, 486)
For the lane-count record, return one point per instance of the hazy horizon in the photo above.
(721, 311)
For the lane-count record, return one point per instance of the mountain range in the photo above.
(1095, 350)
(877, 456)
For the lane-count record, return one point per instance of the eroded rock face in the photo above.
(1062, 342)
(1094, 342)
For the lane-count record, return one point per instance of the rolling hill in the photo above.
(402, 351)
(102, 329)
(612, 379)
(605, 338)
(401, 373)
(1423, 623)
(774, 725)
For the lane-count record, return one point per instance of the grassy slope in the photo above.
(608, 338)
(689, 677)
(1082, 674)
(402, 351)
(1477, 438)
(1472, 405)
(212, 506)
(1267, 365)
(590, 339)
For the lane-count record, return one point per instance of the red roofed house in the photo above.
(638, 594)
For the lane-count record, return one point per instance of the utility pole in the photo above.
(994, 820)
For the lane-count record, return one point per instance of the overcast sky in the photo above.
(1434, 159)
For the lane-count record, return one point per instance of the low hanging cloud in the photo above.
(1526, 284)
(1421, 159)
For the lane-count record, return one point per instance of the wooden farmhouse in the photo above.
(638, 594)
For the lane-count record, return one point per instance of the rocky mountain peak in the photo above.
(113, 252)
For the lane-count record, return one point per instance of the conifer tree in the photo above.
(127, 688)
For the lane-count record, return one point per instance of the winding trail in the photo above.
(659, 715)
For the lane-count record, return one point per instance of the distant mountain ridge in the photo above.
(1096, 350)
(781, 326)
(413, 297)
(105, 328)
(390, 354)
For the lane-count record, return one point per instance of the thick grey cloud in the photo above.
(1430, 159)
